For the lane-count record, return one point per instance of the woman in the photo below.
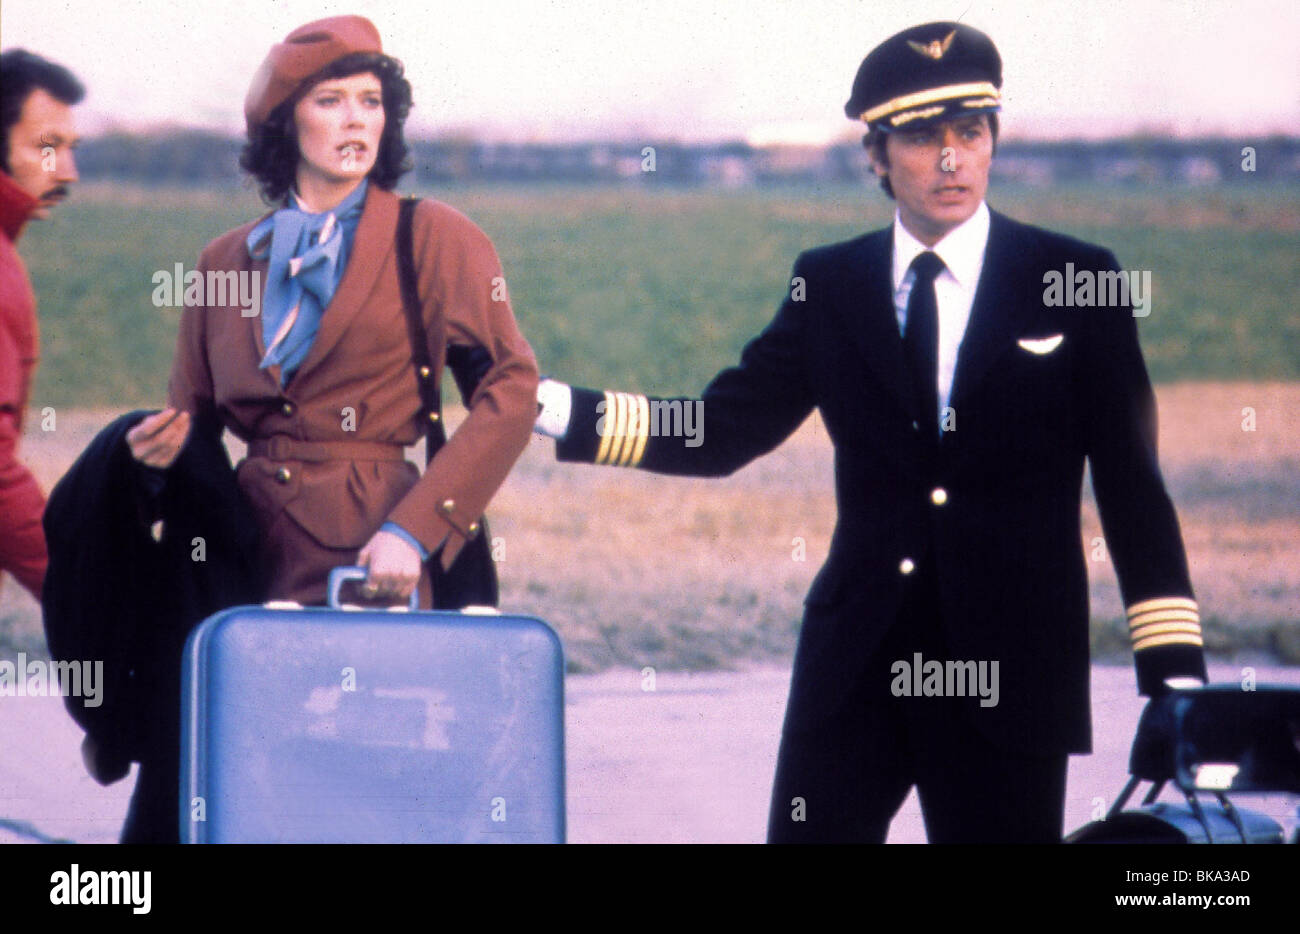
(321, 383)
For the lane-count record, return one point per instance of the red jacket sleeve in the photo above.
(22, 540)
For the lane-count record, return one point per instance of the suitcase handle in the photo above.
(354, 573)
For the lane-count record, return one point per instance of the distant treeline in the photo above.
(200, 158)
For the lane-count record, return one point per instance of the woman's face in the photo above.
(339, 121)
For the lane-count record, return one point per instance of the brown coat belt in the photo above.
(283, 448)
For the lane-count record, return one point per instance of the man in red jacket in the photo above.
(37, 137)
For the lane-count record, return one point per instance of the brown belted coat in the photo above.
(326, 466)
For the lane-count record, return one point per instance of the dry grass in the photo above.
(636, 570)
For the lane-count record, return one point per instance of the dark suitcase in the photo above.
(341, 724)
(1218, 740)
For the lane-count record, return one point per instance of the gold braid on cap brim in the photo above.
(983, 89)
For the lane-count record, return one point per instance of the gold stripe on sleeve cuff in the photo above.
(1162, 603)
(1154, 629)
(633, 426)
(1152, 642)
(607, 430)
(642, 430)
(624, 431)
(1163, 616)
(1164, 621)
(620, 429)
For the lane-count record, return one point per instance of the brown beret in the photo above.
(304, 52)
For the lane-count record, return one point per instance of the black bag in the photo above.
(1217, 740)
(472, 578)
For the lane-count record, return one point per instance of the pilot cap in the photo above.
(927, 73)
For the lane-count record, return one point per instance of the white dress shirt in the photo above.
(962, 252)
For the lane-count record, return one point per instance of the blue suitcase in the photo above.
(348, 725)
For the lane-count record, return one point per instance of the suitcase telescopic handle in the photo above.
(353, 573)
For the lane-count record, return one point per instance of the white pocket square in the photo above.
(1041, 345)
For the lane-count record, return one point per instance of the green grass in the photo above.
(658, 289)
(103, 342)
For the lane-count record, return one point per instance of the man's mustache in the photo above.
(58, 191)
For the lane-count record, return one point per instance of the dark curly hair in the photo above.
(874, 143)
(271, 153)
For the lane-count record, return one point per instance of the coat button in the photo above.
(906, 566)
(283, 475)
(938, 496)
(473, 530)
(915, 426)
(287, 409)
(447, 507)
(433, 416)
(424, 372)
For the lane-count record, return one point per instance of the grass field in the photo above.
(656, 290)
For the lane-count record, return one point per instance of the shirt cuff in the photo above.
(554, 403)
(407, 537)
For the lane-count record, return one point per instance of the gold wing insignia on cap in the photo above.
(936, 48)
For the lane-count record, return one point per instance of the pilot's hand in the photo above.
(554, 403)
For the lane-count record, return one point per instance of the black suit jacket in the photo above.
(1005, 541)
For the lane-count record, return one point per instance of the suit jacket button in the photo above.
(473, 530)
(915, 426)
(447, 507)
(906, 566)
(938, 496)
(287, 409)
(283, 475)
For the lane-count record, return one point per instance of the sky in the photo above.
(546, 70)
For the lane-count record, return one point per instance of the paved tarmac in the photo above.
(690, 761)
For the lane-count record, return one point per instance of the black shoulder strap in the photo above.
(430, 397)
(472, 577)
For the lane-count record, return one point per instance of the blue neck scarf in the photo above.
(307, 256)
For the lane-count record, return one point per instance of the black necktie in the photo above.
(921, 341)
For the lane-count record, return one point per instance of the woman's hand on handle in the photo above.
(157, 440)
(393, 566)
